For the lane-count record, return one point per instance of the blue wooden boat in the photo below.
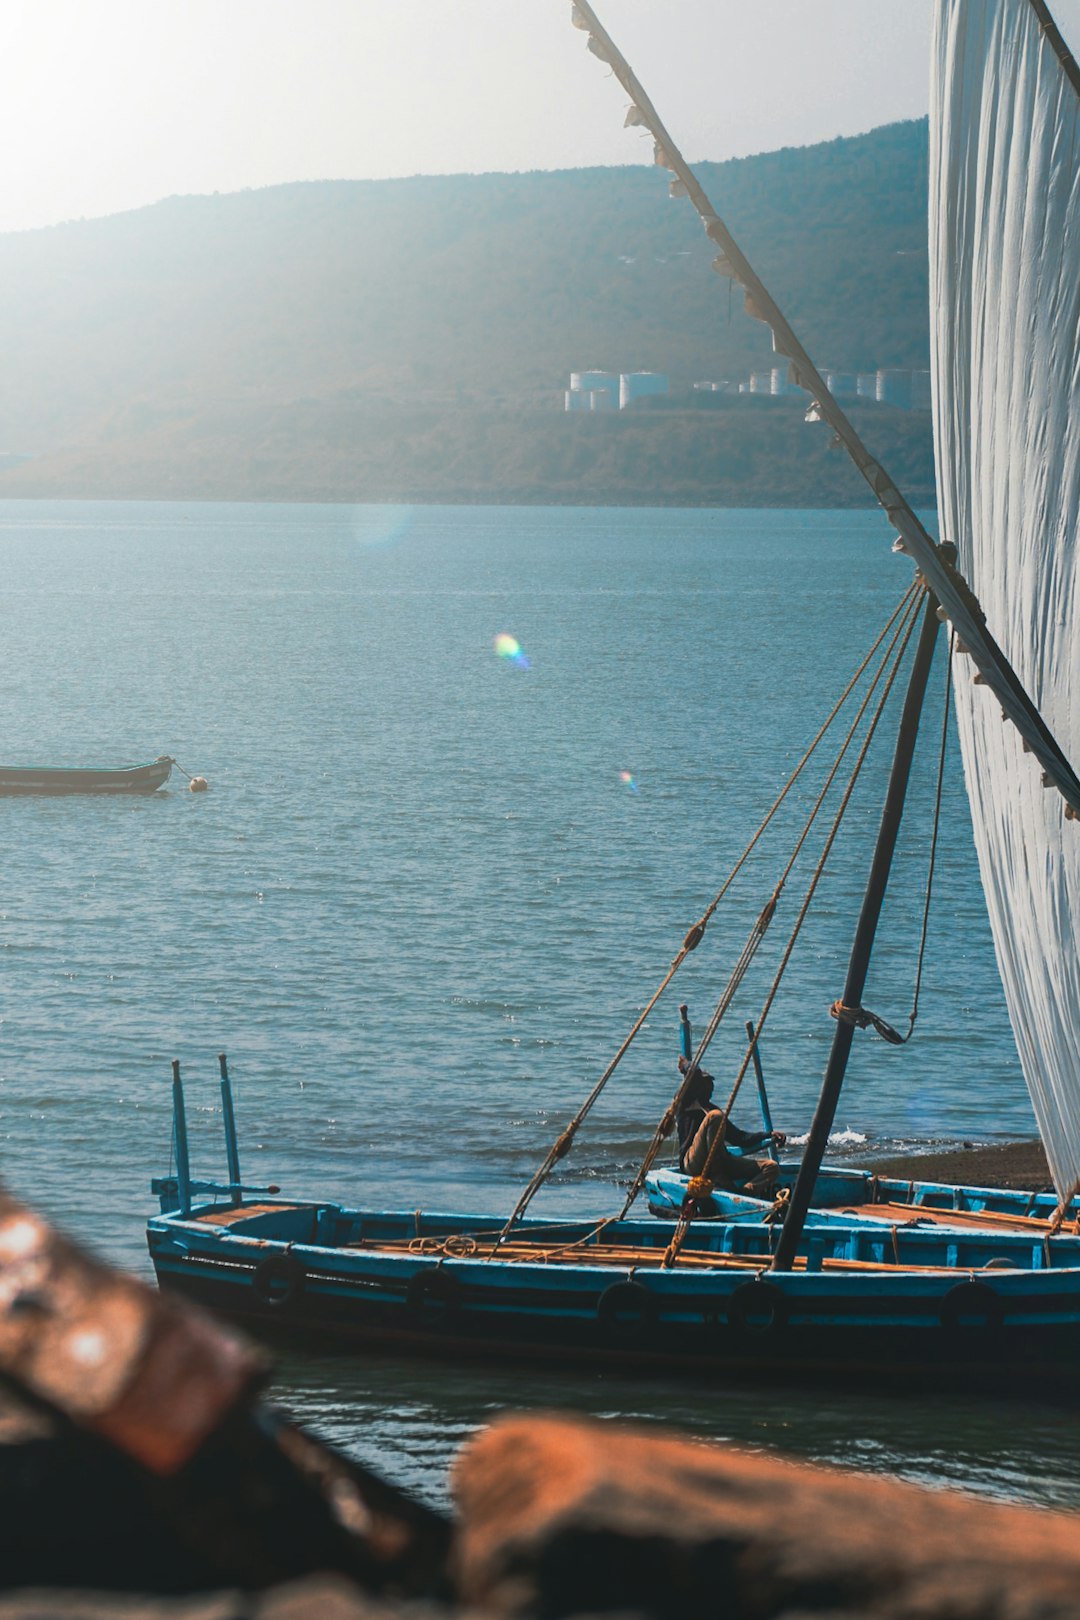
(911, 1303)
(53, 779)
(971, 1309)
(845, 1197)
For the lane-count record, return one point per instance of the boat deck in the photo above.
(230, 1215)
(940, 1216)
(634, 1258)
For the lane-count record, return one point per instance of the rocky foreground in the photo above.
(556, 1516)
(141, 1476)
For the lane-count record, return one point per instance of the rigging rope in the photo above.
(904, 624)
(687, 1214)
(565, 1141)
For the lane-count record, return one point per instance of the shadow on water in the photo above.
(407, 1419)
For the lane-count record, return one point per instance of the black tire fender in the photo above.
(279, 1279)
(757, 1308)
(627, 1307)
(972, 1307)
(433, 1289)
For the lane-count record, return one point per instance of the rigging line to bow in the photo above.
(563, 1143)
(757, 934)
(860, 1016)
(685, 1220)
(948, 585)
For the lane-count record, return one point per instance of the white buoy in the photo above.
(198, 784)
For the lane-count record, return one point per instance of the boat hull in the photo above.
(54, 781)
(288, 1274)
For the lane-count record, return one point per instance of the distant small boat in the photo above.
(85, 779)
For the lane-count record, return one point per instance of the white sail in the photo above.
(1005, 340)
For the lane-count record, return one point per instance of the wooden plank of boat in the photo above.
(949, 1217)
(217, 1216)
(67, 779)
(623, 1255)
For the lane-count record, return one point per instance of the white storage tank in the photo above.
(636, 384)
(587, 382)
(866, 385)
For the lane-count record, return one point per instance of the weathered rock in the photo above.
(51, 1604)
(141, 1460)
(138, 1370)
(322, 1597)
(562, 1516)
(328, 1597)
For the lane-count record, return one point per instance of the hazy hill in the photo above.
(268, 342)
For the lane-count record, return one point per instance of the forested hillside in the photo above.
(269, 342)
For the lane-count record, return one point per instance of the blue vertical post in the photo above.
(232, 1151)
(686, 1034)
(183, 1163)
(759, 1076)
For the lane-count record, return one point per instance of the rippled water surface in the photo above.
(430, 887)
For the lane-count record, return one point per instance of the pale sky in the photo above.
(109, 105)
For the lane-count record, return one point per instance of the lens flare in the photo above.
(510, 648)
(627, 779)
(378, 527)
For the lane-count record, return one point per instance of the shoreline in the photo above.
(614, 500)
(1019, 1165)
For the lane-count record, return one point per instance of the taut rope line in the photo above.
(563, 1143)
(666, 1124)
(686, 1218)
(859, 1016)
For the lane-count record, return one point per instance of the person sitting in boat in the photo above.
(699, 1124)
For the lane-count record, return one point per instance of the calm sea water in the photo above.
(430, 889)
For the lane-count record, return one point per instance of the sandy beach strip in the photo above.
(1004, 1164)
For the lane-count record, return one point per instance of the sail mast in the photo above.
(947, 584)
(1056, 42)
